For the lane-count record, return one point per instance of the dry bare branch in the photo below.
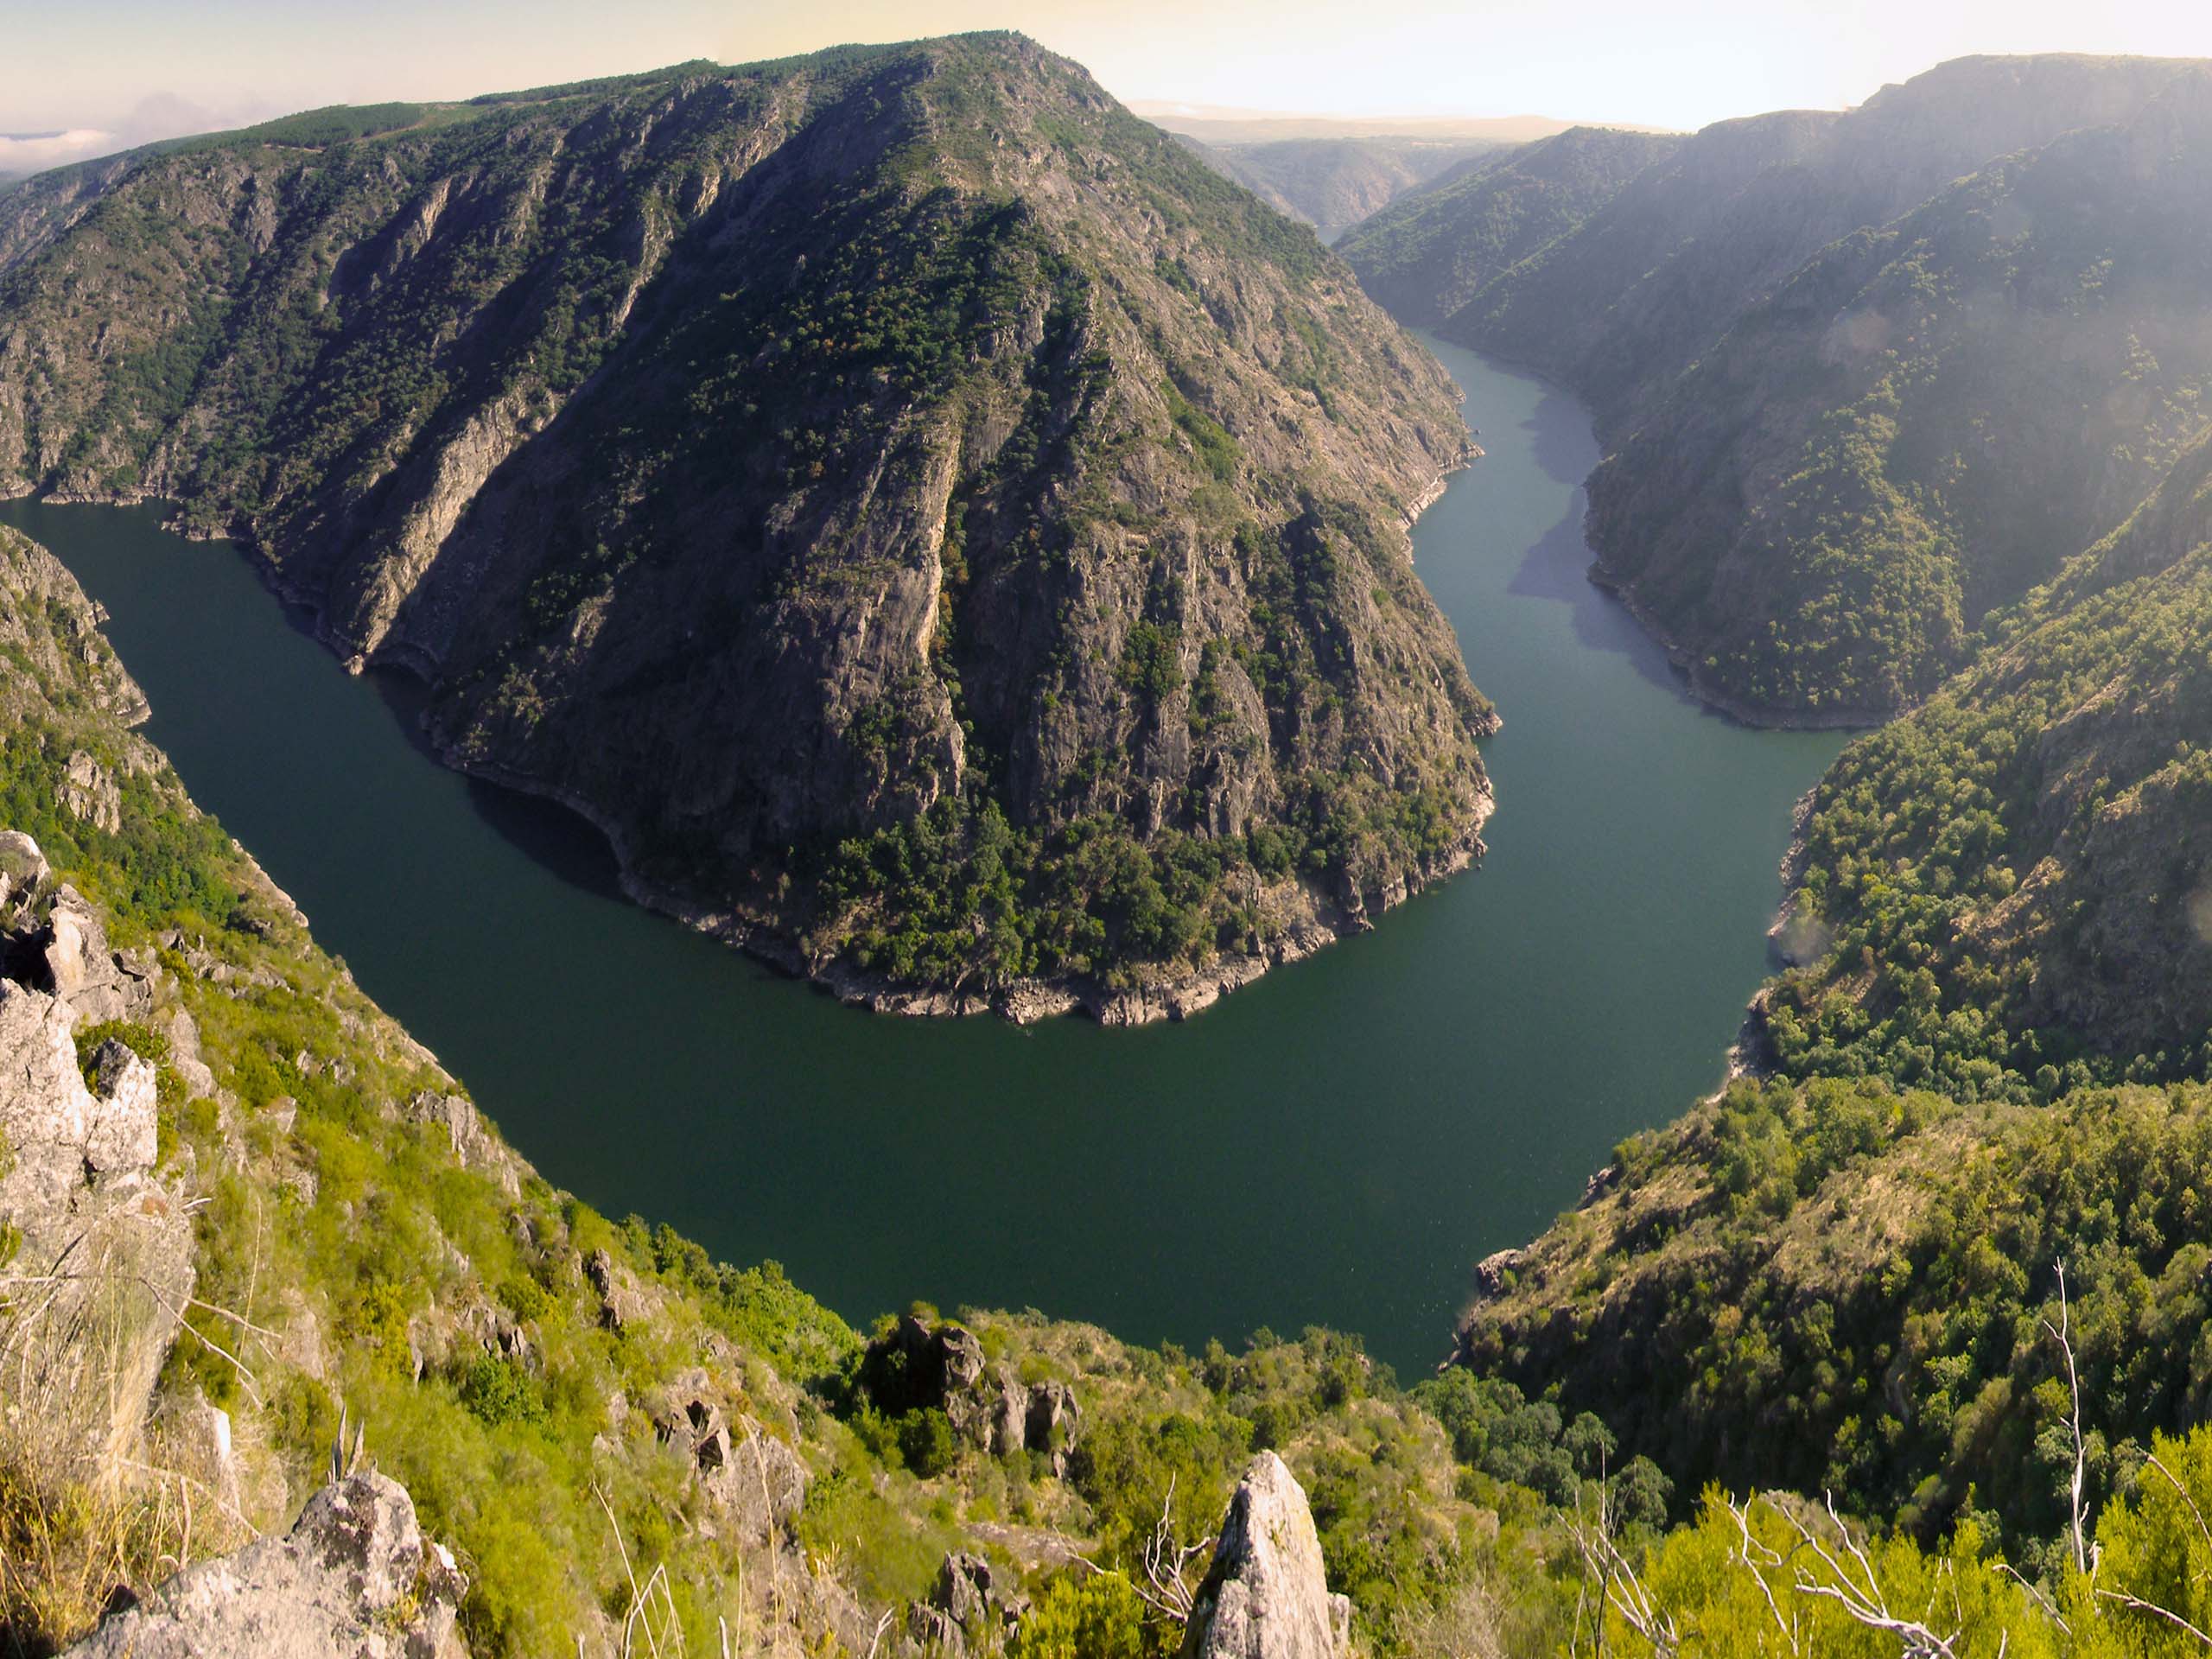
(2063, 1334)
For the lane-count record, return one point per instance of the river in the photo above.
(1337, 1144)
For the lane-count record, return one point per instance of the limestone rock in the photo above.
(88, 792)
(1268, 1595)
(354, 1578)
(22, 867)
(79, 1186)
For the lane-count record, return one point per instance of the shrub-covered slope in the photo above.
(1428, 256)
(934, 524)
(1851, 403)
(1840, 1286)
(2012, 887)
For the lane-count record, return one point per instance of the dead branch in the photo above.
(2063, 1334)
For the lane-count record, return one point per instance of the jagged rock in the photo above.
(967, 1609)
(1490, 1272)
(932, 1630)
(713, 1451)
(88, 792)
(1054, 1422)
(756, 1479)
(79, 1186)
(124, 1133)
(67, 955)
(618, 1304)
(354, 1578)
(1267, 1596)
(916, 1367)
(963, 1588)
(1600, 1183)
(474, 1145)
(23, 868)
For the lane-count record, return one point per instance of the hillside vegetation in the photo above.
(1028, 500)
(1426, 257)
(1862, 378)
(624, 1442)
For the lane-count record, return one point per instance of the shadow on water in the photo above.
(553, 836)
(1559, 438)
(1337, 1144)
(1557, 567)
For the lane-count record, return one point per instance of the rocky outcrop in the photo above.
(919, 1367)
(968, 1609)
(354, 1578)
(102, 1257)
(88, 791)
(748, 1474)
(1267, 1595)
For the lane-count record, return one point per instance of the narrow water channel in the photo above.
(1335, 1145)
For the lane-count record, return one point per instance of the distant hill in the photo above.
(1335, 171)
(1219, 127)
(1426, 256)
(1335, 183)
(1861, 376)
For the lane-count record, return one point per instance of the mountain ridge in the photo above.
(1066, 513)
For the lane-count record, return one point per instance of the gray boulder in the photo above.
(78, 1184)
(1267, 1595)
(23, 868)
(354, 1578)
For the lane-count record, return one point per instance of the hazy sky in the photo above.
(133, 67)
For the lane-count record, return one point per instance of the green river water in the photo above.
(1337, 1144)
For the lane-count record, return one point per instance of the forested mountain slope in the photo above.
(1333, 183)
(1993, 1055)
(1428, 256)
(2012, 887)
(1863, 377)
(941, 531)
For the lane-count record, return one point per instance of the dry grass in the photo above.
(67, 1542)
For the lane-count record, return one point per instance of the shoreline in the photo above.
(1757, 717)
(1314, 921)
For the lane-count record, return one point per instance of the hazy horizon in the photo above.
(128, 72)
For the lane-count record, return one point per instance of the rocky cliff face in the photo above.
(95, 1242)
(928, 520)
(1850, 404)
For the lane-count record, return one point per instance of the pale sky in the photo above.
(133, 69)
